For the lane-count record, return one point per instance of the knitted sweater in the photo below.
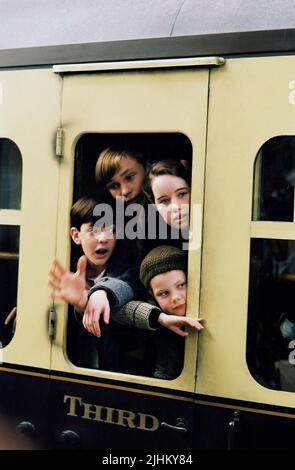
(136, 313)
(168, 345)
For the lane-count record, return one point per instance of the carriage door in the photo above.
(162, 112)
(29, 117)
(246, 355)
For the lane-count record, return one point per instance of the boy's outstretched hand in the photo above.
(175, 323)
(10, 316)
(98, 305)
(69, 286)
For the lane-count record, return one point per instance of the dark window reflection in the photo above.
(125, 349)
(271, 313)
(274, 180)
(10, 175)
(9, 249)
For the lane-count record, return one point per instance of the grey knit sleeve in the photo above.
(119, 292)
(139, 314)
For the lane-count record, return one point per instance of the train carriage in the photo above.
(219, 87)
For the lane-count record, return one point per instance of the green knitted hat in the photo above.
(160, 260)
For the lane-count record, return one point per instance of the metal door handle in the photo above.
(180, 426)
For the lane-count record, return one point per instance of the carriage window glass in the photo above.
(274, 180)
(9, 253)
(10, 203)
(271, 313)
(10, 175)
(127, 345)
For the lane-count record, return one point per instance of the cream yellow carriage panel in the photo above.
(29, 116)
(133, 102)
(249, 104)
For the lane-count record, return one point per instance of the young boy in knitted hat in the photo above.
(98, 266)
(163, 273)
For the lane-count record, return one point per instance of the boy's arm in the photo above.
(175, 323)
(120, 289)
(137, 313)
(97, 306)
(10, 316)
(106, 294)
(148, 316)
(109, 293)
(69, 286)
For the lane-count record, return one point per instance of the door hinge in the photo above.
(52, 323)
(59, 142)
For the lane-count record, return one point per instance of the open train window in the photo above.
(274, 180)
(271, 308)
(10, 204)
(135, 350)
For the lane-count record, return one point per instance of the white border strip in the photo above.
(139, 64)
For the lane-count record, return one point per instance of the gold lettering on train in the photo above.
(92, 412)
(126, 418)
(145, 421)
(79, 409)
(109, 415)
(72, 404)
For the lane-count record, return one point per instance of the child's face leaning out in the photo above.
(172, 199)
(169, 290)
(97, 244)
(127, 181)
